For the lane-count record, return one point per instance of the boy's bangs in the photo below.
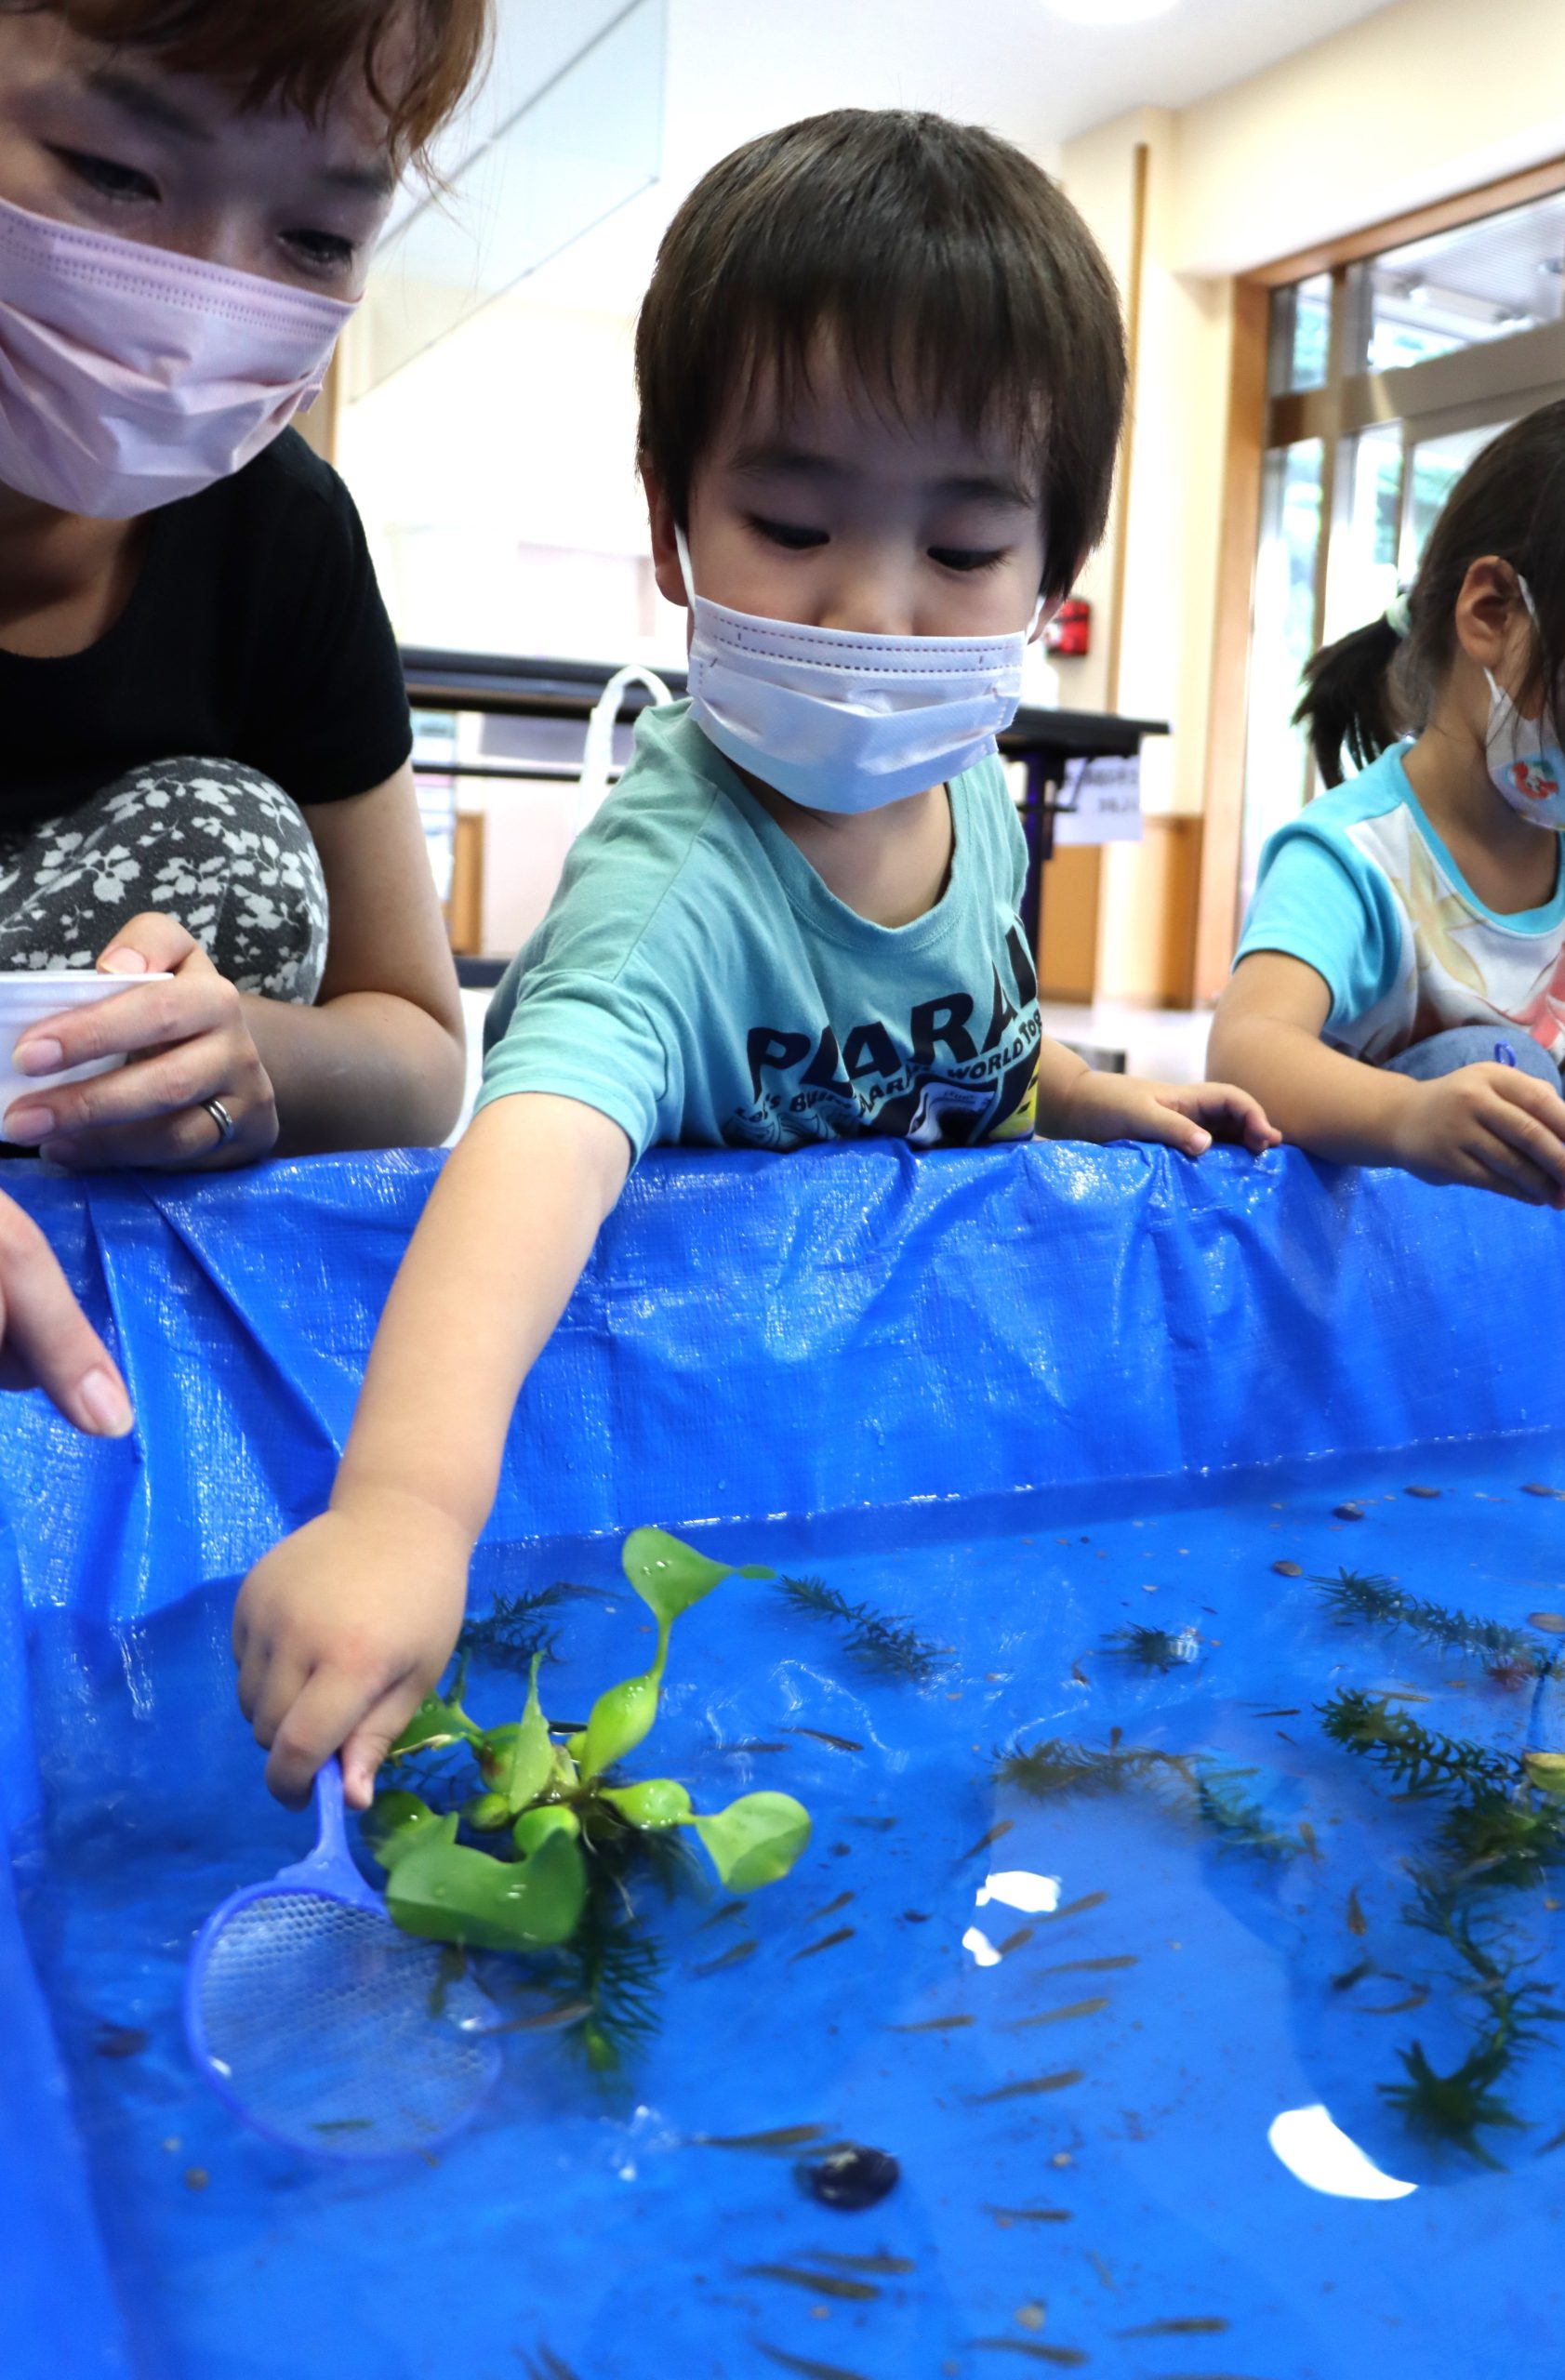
(416, 57)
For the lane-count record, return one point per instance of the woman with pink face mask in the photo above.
(208, 744)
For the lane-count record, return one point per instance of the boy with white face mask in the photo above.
(882, 372)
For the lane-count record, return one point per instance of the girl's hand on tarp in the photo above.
(341, 1631)
(1187, 1117)
(46, 1341)
(189, 1043)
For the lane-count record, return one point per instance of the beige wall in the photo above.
(1423, 100)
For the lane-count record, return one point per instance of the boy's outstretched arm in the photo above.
(1076, 1103)
(1491, 1127)
(343, 1628)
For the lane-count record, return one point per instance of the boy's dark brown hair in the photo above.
(947, 269)
(418, 57)
(1363, 692)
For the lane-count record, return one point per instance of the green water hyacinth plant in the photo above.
(549, 1814)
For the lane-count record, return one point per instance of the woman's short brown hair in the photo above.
(947, 269)
(418, 57)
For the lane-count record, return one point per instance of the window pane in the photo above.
(1301, 335)
(1437, 464)
(1364, 562)
(1487, 280)
(1282, 638)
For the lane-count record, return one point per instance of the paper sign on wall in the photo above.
(1099, 802)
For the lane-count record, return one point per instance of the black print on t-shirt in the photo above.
(966, 1070)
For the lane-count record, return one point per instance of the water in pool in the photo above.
(1187, 1934)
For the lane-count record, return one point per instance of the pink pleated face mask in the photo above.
(131, 376)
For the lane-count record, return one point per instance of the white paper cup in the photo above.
(29, 999)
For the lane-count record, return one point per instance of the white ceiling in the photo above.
(737, 67)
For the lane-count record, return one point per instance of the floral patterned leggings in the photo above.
(218, 846)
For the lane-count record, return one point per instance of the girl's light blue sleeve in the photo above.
(1319, 899)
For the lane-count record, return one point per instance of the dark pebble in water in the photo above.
(1427, 1495)
(120, 2041)
(1347, 1512)
(849, 2179)
(1289, 1570)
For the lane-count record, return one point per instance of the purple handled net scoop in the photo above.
(322, 2024)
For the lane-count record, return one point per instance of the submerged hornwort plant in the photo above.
(882, 1641)
(1058, 1768)
(556, 1833)
(1418, 1759)
(1154, 1648)
(517, 1627)
(1353, 1596)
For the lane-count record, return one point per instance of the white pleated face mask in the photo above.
(1527, 767)
(844, 723)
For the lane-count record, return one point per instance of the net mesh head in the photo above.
(332, 2031)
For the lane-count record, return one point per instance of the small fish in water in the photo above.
(120, 2041)
(915, 1916)
(1006, 2214)
(1065, 2357)
(1092, 1966)
(1080, 1674)
(848, 2177)
(1060, 2016)
(1178, 2326)
(450, 1967)
(547, 2021)
(1347, 1512)
(1292, 1710)
(780, 2143)
(1357, 1922)
(1077, 1908)
(734, 1957)
(751, 1746)
(827, 1942)
(1415, 1998)
(1307, 1837)
(1558, 2142)
(838, 1743)
(831, 1909)
(823, 2285)
(876, 1826)
(1034, 2088)
(890, 2266)
(547, 2366)
(1536, 1488)
(348, 2124)
(1351, 1975)
(1551, 1622)
(721, 1916)
(1426, 1494)
(806, 2364)
(1017, 1941)
(934, 2025)
(984, 1841)
(1289, 1570)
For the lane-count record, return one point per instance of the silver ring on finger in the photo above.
(224, 1120)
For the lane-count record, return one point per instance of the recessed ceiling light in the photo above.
(1110, 12)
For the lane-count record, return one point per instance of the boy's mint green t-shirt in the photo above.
(696, 981)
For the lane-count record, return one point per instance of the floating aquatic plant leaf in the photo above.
(396, 1822)
(670, 1577)
(622, 1717)
(1355, 1595)
(526, 1765)
(755, 1840)
(656, 1802)
(445, 1893)
(1419, 1759)
(534, 1828)
(438, 1720)
(885, 1642)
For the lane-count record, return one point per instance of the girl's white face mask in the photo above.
(1528, 770)
(131, 376)
(843, 723)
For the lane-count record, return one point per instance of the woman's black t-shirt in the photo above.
(256, 633)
